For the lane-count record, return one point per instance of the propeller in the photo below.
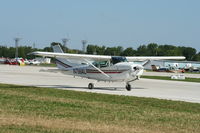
(136, 69)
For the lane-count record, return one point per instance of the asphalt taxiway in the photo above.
(38, 76)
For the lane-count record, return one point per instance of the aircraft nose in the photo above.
(137, 70)
(138, 67)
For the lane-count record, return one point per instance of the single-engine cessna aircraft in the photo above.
(100, 67)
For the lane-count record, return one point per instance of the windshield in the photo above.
(117, 59)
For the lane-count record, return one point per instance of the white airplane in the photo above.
(100, 67)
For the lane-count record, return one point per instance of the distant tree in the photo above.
(4, 51)
(48, 49)
(188, 52)
(119, 49)
(129, 52)
(166, 50)
(91, 49)
(100, 50)
(11, 52)
(142, 50)
(115, 51)
(152, 49)
(94, 49)
(21, 52)
(110, 51)
(197, 57)
(27, 50)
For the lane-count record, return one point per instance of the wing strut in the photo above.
(97, 68)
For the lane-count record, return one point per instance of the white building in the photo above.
(43, 60)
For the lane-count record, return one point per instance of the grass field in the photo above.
(169, 78)
(180, 73)
(48, 65)
(31, 109)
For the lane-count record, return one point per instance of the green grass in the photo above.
(192, 72)
(187, 72)
(48, 65)
(169, 78)
(31, 109)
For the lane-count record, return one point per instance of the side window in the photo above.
(101, 64)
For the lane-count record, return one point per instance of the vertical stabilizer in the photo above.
(57, 49)
(62, 63)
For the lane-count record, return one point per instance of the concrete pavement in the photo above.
(37, 76)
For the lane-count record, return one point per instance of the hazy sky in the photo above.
(128, 23)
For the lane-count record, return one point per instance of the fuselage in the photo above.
(99, 67)
(123, 71)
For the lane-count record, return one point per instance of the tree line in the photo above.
(23, 51)
(151, 49)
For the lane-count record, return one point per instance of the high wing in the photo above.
(72, 56)
(142, 58)
(103, 57)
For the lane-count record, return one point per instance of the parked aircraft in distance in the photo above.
(101, 67)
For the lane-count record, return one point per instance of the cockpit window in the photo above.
(117, 59)
(101, 64)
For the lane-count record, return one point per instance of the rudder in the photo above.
(61, 63)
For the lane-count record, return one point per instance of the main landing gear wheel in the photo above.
(128, 87)
(90, 86)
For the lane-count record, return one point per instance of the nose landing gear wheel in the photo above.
(90, 86)
(128, 87)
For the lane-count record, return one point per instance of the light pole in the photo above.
(84, 42)
(16, 46)
(65, 40)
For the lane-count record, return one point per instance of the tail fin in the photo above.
(57, 49)
(61, 63)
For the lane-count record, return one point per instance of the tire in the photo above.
(90, 86)
(128, 87)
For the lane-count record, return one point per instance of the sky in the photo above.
(127, 23)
